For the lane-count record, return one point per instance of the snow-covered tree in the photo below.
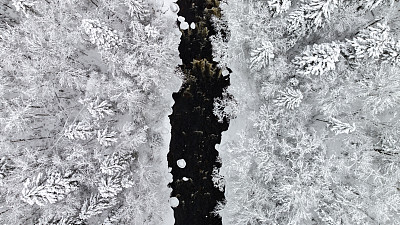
(15, 115)
(99, 34)
(218, 179)
(290, 98)
(371, 42)
(98, 109)
(47, 189)
(380, 89)
(262, 56)
(319, 11)
(23, 6)
(318, 59)
(116, 164)
(106, 138)
(54, 220)
(109, 186)
(136, 8)
(220, 41)
(372, 4)
(116, 174)
(311, 15)
(279, 6)
(340, 127)
(5, 168)
(297, 23)
(95, 205)
(375, 43)
(225, 107)
(82, 130)
(392, 53)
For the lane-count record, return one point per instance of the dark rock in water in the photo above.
(195, 130)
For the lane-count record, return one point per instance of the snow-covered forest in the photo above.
(314, 130)
(86, 89)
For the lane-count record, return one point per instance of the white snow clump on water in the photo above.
(181, 163)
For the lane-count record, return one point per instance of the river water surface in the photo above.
(195, 130)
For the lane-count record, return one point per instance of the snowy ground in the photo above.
(168, 6)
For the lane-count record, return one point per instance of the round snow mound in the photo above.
(173, 202)
(174, 7)
(185, 178)
(184, 25)
(181, 19)
(181, 163)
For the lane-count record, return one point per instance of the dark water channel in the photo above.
(195, 130)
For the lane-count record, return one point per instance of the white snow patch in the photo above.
(170, 10)
(192, 25)
(185, 178)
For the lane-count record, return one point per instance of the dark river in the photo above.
(195, 130)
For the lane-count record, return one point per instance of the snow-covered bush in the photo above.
(318, 59)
